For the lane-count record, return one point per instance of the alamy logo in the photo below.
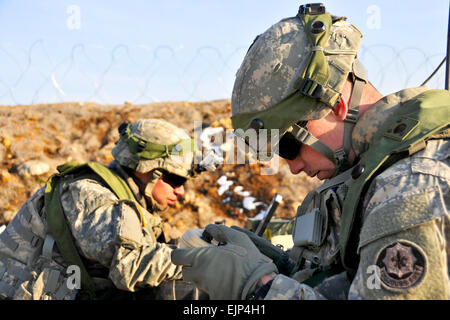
(374, 18)
(74, 19)
(374, 279)
(74, 279)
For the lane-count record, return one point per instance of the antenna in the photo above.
(447, 69)
(446, 58)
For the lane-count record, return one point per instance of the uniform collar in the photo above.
(370, 122)
(117, 168)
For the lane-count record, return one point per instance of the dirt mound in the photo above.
(35, 139)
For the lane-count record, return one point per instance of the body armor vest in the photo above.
(326, 226)
(26, 245)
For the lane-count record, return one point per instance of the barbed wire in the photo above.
(405, 69)
(142, 74)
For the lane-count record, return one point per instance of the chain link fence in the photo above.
(143, 74)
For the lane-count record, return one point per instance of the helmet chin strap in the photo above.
(148, 188)
(359, 79)
(339, 156)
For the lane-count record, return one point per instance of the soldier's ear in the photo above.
(341, 109)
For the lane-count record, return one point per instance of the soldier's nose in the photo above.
(296, 166)
(179, 191)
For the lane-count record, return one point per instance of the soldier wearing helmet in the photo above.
(376, 228)
(94, 231)
(161, 164)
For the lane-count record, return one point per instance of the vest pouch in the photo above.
(52, 284)
(308, 229)
(47, 282)
(311, 222)
(317, 225)
(13, 273)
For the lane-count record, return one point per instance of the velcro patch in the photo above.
(402, 265)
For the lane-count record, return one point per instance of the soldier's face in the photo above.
(312, 163)
(166, 194)
(328, 130)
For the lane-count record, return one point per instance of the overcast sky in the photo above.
(144, 51)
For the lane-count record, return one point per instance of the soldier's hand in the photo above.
(228, 271)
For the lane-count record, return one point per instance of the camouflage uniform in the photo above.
(115, 234)
(404, 215)
(393, 245)
(119, 240)
(401, 249)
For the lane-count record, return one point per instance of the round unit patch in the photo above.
(402, 265)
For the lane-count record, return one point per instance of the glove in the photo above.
(226, 272)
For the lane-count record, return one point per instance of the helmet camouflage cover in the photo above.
(155, 144)
(268, 84)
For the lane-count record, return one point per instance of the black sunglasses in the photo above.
(173, 180)
(288, 147)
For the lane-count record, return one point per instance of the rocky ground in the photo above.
(35, 139)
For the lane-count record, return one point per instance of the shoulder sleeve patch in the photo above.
(402, 265)
(409, 211)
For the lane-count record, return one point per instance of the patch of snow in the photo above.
(238, 190)
(2, 228)
(260, 215)
(206, 135)
(250, 204)
(217, 150)
(224, 185)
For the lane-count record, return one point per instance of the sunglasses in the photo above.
(288, 147)
(173, 180)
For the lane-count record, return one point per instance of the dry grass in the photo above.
(58, 133)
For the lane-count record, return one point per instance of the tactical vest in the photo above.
(325, 228)
(29, 267)
(56, 218)
(167, 290)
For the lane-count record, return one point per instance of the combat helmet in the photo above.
(295, 72)
(155, 144)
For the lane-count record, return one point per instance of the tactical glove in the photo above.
(228, 271)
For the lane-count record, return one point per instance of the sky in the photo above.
(147, 51)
